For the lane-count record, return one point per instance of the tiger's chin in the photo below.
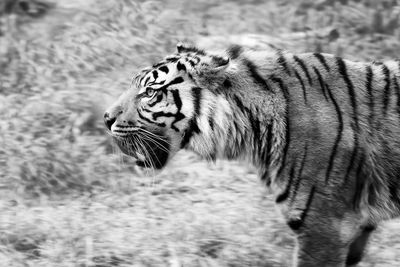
(152, 154)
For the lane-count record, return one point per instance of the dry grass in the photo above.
(70, 199)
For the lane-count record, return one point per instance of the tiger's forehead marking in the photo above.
(155, 77)
(166, 70)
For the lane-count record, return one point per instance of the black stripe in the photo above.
(172, 58)
(227, 83)
(304, 68)
(321, 59)
(308, 205)
(191, 62)
(254, 122)
(159, 114)
(352, 160)
(177, 80)
(283, 196)
(255, 75)
(255, 125)
(240, 105)
(143, 75)
(193, 127)
(371, 101)
(138, 96)
(196, 94)
(287, 134)
(147, 110)
(178, 103)
(240, 142)
(155, 74)
(299, 175)
(295, 224)
(321, 82)
(282, 61)
(158, 99)
(139, 79)
(369, 228)
(343, 72)
(154, 83)
(386, 91)
(281, 86)
(146, 81)
(180, 66)
(270, 140)
(338, 136)
(213, 155)
(266, 154)
(160, 124)
(211, 121)
(164, 69)
(302, 86)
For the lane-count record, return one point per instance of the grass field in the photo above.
(69, 198)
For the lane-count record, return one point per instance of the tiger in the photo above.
(322, 131)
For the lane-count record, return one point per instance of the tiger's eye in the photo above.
(150, 91)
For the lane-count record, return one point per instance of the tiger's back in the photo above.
(345, 115)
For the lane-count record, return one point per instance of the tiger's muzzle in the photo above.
(151, 150)
(148, 152)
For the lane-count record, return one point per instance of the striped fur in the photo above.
(322, 131)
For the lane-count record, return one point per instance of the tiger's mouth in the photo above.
(149, 152)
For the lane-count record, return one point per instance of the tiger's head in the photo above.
(183, 101)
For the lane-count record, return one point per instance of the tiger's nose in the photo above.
(109, 121)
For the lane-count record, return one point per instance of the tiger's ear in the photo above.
(219, 63)
(181, 47)
(213, 64)
(187, 47)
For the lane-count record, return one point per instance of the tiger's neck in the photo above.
(257, 134)
(241, 126)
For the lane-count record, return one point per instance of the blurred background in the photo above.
(67, 195)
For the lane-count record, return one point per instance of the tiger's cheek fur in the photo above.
(174, 116)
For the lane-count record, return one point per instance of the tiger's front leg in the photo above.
(324, 231)
(320, 247)
(323, 241)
